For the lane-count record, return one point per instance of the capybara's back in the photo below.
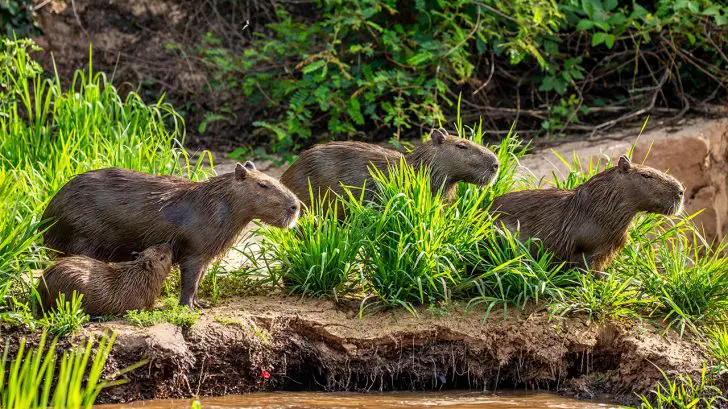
(330, 165)
(108, 289)
(103, 214)
(449, 160)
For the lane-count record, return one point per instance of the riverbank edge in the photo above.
(284, 343)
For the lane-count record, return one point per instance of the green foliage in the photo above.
(171, 312)
(387, 67)
(37, 378)
(49, 134)
(717, 346)
(17, 18)
(318, 257)
(609, 297)
(66, 318)
(683, 392)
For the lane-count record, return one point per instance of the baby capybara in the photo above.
(108, 289)
(589, 224)
(108, 213)
(329, 166)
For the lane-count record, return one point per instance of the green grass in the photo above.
(66, 318)
(40, 377)
(171, 312)
(317, 258)
(683, 392)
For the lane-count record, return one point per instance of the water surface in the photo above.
(394, 400)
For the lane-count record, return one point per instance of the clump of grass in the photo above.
(510, 272)
(417, 247)
(37, 378)
(717, 347)
(683, 392)
(172, 312)
(67, 317)
(317, 258)
(600, 298)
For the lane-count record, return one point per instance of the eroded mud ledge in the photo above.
(307, 344)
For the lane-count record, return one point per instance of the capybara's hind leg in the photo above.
(191, 269)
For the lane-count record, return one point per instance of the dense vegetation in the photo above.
(404, 250)
(384, 68)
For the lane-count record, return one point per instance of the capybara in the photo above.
(589, 224)
(329, 166)
(107, 213)
(108, 289)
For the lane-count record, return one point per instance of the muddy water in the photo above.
(291, 400)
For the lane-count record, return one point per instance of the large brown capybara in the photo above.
(108, 289)
(589, 224)
(108, 213)
(329, 166)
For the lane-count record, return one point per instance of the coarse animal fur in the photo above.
(589, 224)
(108, 213)
(108, 289)
(329, 166)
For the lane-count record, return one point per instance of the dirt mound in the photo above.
(307, 344)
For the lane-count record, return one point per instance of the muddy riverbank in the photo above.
(280, 343)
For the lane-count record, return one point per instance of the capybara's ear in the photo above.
(438, 136)
(135, 254)
(624, 163)
(249, 165)
(241, 172)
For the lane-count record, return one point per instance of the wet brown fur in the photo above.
(106, 214)
(330, 165)
(108, 289)
(590, 223)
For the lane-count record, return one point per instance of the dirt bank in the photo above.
(319, 345)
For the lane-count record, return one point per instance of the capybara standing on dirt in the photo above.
(590, 223)
(108, 213)
(450, 160)
(108, 289)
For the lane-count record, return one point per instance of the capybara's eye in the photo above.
(646, 176)
(263, 185)
(462, 146)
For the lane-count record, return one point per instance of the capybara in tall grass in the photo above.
(108, 289)
(329, 166)
(108, 213)
(589, 224)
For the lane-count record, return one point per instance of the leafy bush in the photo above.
(17, 18)
(387, 67)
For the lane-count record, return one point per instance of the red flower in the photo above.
(265, 374)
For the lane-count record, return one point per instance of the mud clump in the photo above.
(589, 224)
(108, 289)
(313, 345)
(107, 214)
(329, 166)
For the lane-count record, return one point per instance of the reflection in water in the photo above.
(311, 400)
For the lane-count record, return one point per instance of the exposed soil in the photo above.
(320, 345)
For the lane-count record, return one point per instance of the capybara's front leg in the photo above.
(191, 270)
